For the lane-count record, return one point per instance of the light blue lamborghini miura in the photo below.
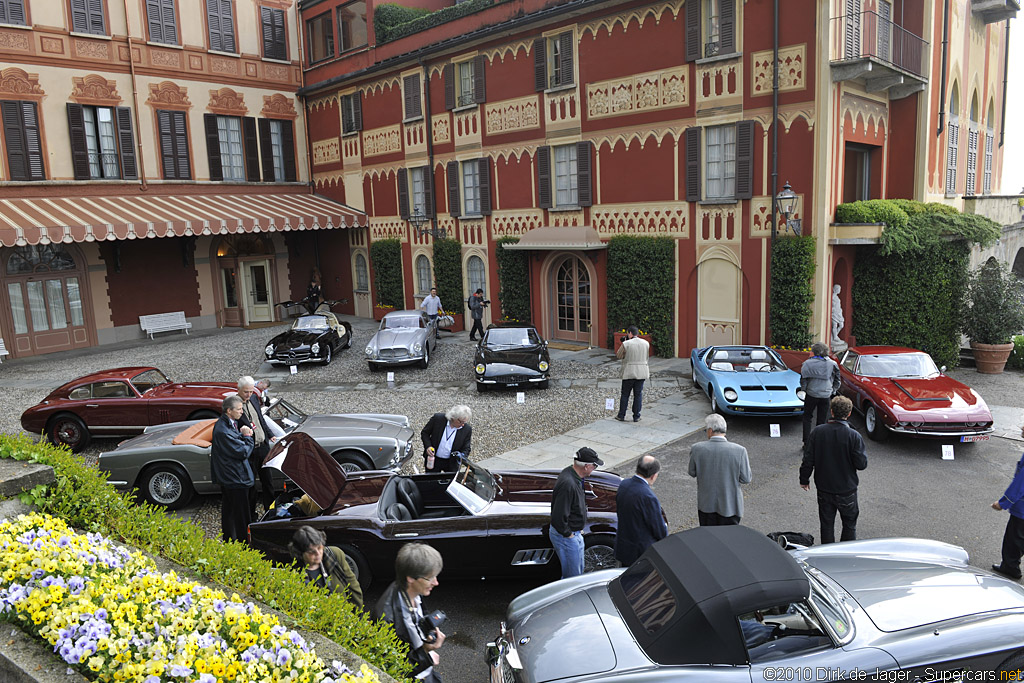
(747, 380)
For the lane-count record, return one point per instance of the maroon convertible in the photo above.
(120, 402)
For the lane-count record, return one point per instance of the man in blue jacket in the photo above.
(640, 519)
(229, 459)
(1013, 537)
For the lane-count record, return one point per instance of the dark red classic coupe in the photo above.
(119, 402)
(900, 390)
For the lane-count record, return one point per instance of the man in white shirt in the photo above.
(431, 304)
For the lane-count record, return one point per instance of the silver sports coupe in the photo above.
(170, 463)
(725, 604)
(403, 337)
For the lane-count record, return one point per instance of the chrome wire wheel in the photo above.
(599, 553)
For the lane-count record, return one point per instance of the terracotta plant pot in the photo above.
(990, 359)
(620, 336)
(458, 326)
(793, 359)
(379, 312)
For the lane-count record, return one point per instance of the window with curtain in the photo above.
(229, 134)
(466, 92)
(101, 142)
(362, 274)
(471, 188)
(475, 272)
(566, 179)
(720, 168)
(423, 279)
(14, 293)
(277, 148)
(419, 195)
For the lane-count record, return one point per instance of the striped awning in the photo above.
(42, 220)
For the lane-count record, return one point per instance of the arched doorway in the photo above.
(245, 267)
(571, 304)
(719, 298)
(46, 298)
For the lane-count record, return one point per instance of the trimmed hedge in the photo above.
(911, 225)
(1016, 360)
(84, 499)
(641, 288)
(513, 281)
(386, 259)
(448, 274)
(391, 22)
(792, 291)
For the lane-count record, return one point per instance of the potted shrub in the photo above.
(620, 336)
(994, 313)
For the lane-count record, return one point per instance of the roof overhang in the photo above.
(44, 220)
(550, 237)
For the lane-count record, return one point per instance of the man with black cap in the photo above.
(569, 511)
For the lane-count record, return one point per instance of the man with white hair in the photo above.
(252, 415)
(720, 467)
(444, 435)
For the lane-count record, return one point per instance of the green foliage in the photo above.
(792, 291)
(641, 288)
(1016, 360)
(391, 22)
(911, 226)
(995, 304)
(386, 259)
(513, 281)
(83, 498)
(448, 273)
(913, 299)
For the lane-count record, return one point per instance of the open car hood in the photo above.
(302, 460)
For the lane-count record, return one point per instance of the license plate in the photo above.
(974, 437)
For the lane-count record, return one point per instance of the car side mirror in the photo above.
(545, 342)
(943, 370)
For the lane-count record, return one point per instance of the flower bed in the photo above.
(108, 613)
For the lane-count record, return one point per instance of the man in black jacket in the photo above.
(446, 434)
(252, 416)
(834, 453)
(569, 511)
(229, 459)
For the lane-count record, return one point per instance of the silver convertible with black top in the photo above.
(728, 605)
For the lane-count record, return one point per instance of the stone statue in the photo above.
(838, 320)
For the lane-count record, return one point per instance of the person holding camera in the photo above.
(325, 565)
(416, 568)
(477, 304)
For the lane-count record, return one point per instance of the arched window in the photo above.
(423, 279)
(952, 140)
(990, 134)
(39, 258)
(362, 274)
(50, 297)
(475, 271)
(972, 147)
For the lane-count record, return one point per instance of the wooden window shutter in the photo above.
(479, 79)
(288, 149)
(693, 164)
(126, 143)
(540, 66)
(692, 30)
(454, 207)
(403, 193)
(155, 21)
(412, 96)
(357, 110)
(348, 123)
(449, 86)
(21, 138)
(33, 141)
(727, 26)
(12, 12)
(79, 16)
(266, 150)
(485, 185)
(79, 146)
(251, 147)
(544, 177)
(173, 144)
(744, 160)
(565, 45)
(272, 21)
(227, 26)
(213, 146)
(96, 23)
(584, 175)
(428, 191)
(267, 29)
(212, 24)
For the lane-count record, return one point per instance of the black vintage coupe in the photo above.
(313, 338)
(484, 524)
(511, 355)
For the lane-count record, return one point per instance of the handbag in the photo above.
(445, 321)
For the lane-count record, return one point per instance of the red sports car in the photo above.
(119, 402)
(900, 390)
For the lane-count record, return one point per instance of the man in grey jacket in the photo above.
(720, 467)
(819, 378)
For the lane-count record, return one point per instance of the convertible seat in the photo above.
(722, 367)
(759, 367)
(332, 322)
(398, 512)
(721, 354)
(200, 434)
(409, 494)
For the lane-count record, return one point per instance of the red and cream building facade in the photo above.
(153, 159)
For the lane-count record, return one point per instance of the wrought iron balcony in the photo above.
(885, 56)
(993, 11)
(466, 99)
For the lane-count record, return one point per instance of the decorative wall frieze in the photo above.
(660, 136)
(871, 112)
(20, 41)
(168, 95)
(515, 222)
(170, 59)
(389, 227)
(322, 102)
(719, 81)
(328, 178)
(471, 232)
(351, 151)
(467, 127)
(719, 222)
(506, 116)
(788, 113)
(415, 135)
(278, 106)
(91, 49)
(761, 213)
(224, 66)
(662, 219)
(15, 81)
(565, 219)
(562, 109)
(510, 49)
(640, 15)
(326, 152)
(94, 89)
(441, 129)
(49, 45)
(228, 102)
(638, 93)
(791, 70)
(381, 84)
(384, 140)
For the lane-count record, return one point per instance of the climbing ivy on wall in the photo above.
(792, 291)
(386, 259)
(448, 274)
(641, 288)
(513, 281)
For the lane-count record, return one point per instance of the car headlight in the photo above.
(480, 367)
(801, 394)
(270, 349)
(369, 350)
(543, 366)
(730, 395)
(315, 348)
(417, 348)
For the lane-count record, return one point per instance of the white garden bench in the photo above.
(3, 350)
(164, 322)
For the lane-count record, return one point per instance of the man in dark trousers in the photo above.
(834, 453)
(476, 311)
(1013, 537)
(252, 417)
(569, 511)
(719, 467)
(446, 434)
(229, 459)
(819, 378)
(640, 518)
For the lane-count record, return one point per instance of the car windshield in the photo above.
(473, 488)
(511, 337)
(282, 417)
(144, 381)
(391, 322)
(832, 612)
(310, 322)
(910, 365)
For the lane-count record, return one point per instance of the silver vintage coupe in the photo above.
(725, 604)
(403, 337)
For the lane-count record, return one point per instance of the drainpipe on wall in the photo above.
(775, 124)
(302, 102)
(945, 62)
(1006, 71)
(135, 99)
(430, 139)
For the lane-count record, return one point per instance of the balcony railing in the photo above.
(867, 35)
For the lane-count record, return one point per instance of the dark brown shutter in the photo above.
(544, 177)
(348, 123)
(251, 146)
(485, 185)
(266, 150)
(692, 30)
(267, 29)
(173, 144)
(126, 143)
(744, 160)
(33, 141)
(449, 86)
(213, 146)
(357, 110)
(221, 24)
(272, 21)
(21, 137)
(584, 176)
(479, 80)
(540, 66)
(288, 149)
(454, 207)
(727, 26)
(692, 137)
(565, 45)
(412, 96)
(403, 193)
(428, 190)
(79, 146)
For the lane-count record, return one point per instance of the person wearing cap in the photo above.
(569, 511)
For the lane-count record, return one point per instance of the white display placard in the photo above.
(774, 431)
(520, 397)
(294, 369)
(391, 377)
(947, 451)
(609, 404)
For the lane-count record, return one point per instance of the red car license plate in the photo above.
(974, 437)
